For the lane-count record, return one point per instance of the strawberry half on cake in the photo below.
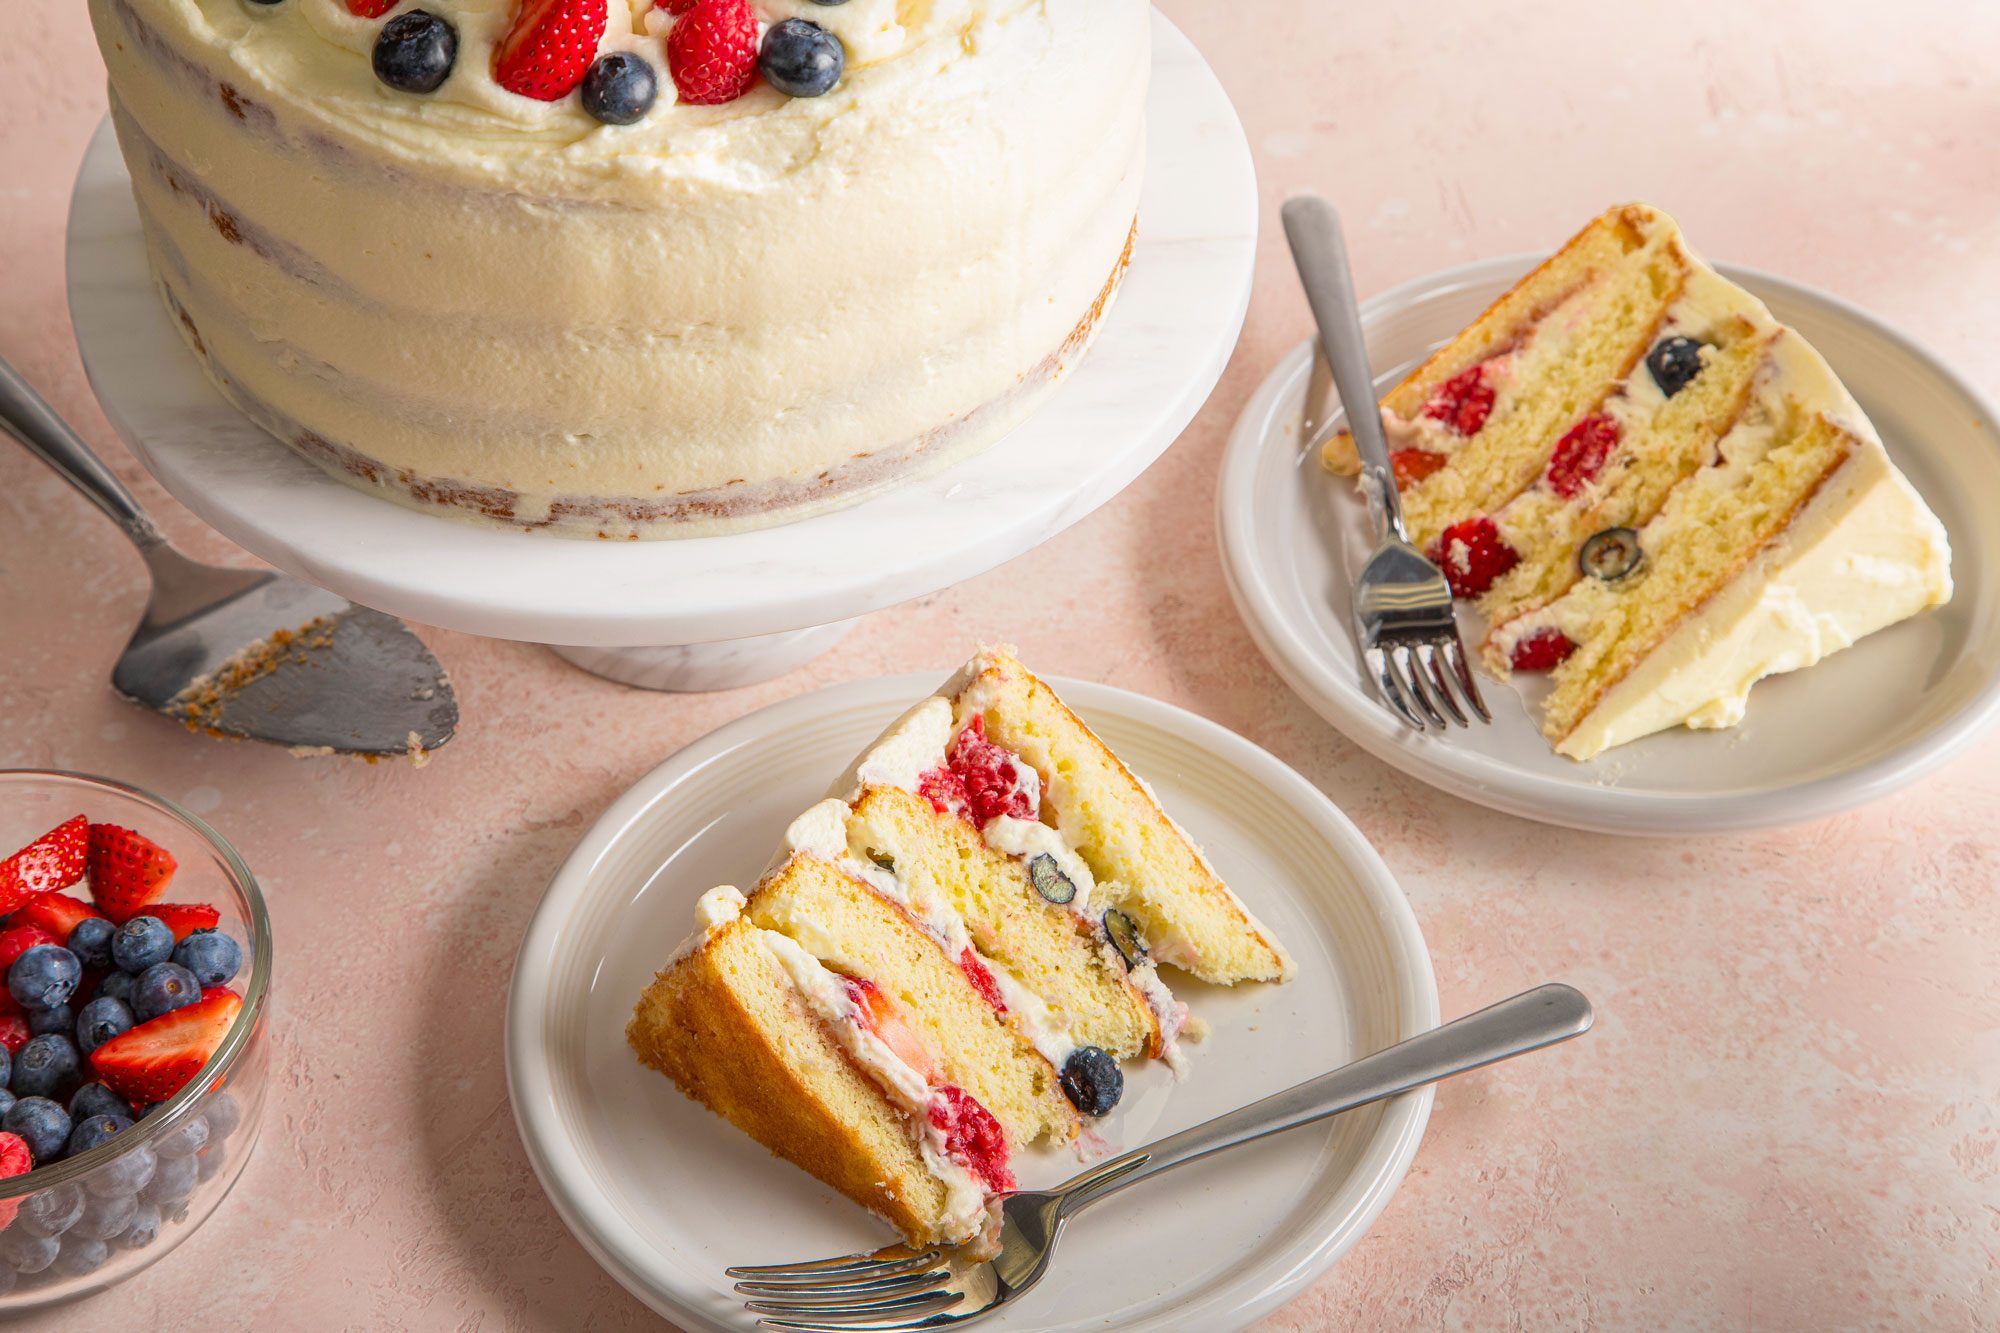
(1651, 489)
(952, 956)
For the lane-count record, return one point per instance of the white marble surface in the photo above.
(1159, 352)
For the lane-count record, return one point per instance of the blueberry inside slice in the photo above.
(1610, 555)
(1125, 938)
(1674, 363)
(1092, 1080)
(1049, 879)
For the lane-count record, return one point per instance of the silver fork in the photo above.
(1402, 604)
(900, 1288)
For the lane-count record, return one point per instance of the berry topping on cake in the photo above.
(981, 978)
(549, 47)
(620, 88)
(945, 790)
(366, 9)
(1092, 1080)
(1542, 650)
(1462, 402)
(1610, 555)
(801, 58)
(128, 871)
(996, 782)
(53, 861)
(1123, 932)
(972, 1136)
(1581, 453)
(712, 51)
(1049, 879)
(1413, 465)
(415, 51)
(1674, 362)
(155, 1060)
(1472, 555)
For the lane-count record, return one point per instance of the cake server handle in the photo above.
(1527, 1022)
(28, 418)
(1320, 252)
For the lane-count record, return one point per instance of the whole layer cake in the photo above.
(951, 957)
(480, 298)
(1651, 489)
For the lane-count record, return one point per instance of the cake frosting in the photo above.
(718, 316)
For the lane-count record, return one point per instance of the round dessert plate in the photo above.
(1157, 354)
(666, 1195)
(1857, 726)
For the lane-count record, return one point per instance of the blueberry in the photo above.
(44, 977)
(183, 1140)
(1609, 555)
(51, 1212)
(223, 1116)
(128, 1173)
(161, 989)
(210, 1162)
(107, 1218)
(1092, 1080)
(81, 1254)
(1674, 363)
(139, 943)
(93, 1131)
(414, 52)
(620, 88)
(145, 1228)
(173, 1180)
(6, 1068)
(1049, 880)
(96, 1099)
(7, 1099)
(116, 986)
(1124, 935)
(48, 1066)
(25, 1252)
(41, 1122)
(212, 956)
(101, 1020)
(91, 941)
(59, 1019)
(801, 58)
(829, 2)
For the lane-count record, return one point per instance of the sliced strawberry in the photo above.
(184, 919)
(712, 51)
(57, 913)
(370, 9)
(211, 992)
(15, 1160)
(17, 940)
(1462, 402)
(156, 1059)
(876, 1012)
(972, 1135)
(1472, 555)
(14, 1032)
(53, 861)
(1413, 465)
(1542, 650)
(981, 977)
(1581, 453)
(549, 48)
(127, 871)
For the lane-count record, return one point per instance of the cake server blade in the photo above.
(250, 653)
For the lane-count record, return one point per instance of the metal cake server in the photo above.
(245, 652)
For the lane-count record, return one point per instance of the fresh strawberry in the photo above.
(14, 1032)
(712, 51)
(1472, 555)
(370, 9)
(15, 1160)
(184, 919)
(53, 861)
(981, 978)
(1413, 465)
(1581, 453)
(156, 1059)
(127, 871)
(57, 913)
(1542, 650)
(212, 992)
(1462, 402)
(972, 1135)
(675, 7)
(877, 1013)
(549, 48)
(17, 940)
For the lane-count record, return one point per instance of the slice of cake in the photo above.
(971, 928)
(1651, 489)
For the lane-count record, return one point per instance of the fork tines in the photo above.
(1416, 676)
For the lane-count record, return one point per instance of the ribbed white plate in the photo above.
(665, 1195)
(1858, 726)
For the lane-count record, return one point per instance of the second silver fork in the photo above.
(1403, 618)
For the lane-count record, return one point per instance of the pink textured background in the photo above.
(1786, 1116)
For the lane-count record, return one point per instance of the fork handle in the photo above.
(28, 418)
(1320, 253)
(1527, 1022)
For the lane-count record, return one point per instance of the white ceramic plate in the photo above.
(1854, 728)
(666, 1195)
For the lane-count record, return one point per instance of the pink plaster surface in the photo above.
(1786, 1116)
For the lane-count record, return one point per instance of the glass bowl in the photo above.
(85, 1223)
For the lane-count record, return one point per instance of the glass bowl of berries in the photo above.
(135, 969)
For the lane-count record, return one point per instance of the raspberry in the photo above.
(1580, 455)
(1542, 650)
(991, 776)
(1472, 554)
(972, 1135)
(712, 51)
(1413, 465)
(981, 978)
(945, 790)
(1462, 402)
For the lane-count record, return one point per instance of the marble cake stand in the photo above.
(710, 612)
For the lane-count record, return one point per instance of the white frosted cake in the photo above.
(480, 298)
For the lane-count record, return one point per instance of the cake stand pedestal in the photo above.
(708, 612)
